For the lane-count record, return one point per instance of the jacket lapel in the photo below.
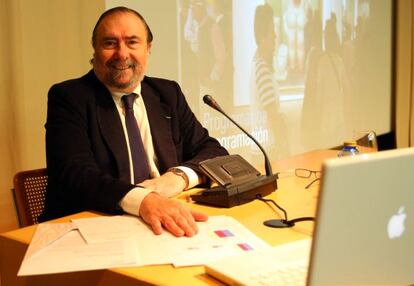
(159, 117)
(112, 131)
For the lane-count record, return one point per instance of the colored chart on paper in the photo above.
(245, 246)
(223, 233)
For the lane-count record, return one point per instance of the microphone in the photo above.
(254, 187)
(209, 100)
(238, 181)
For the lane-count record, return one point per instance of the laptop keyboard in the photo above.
(291, 274)
(285, 264)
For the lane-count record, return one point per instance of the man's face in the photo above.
(121, 51)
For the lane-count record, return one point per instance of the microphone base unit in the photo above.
(233, 195)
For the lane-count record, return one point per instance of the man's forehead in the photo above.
(121, 21)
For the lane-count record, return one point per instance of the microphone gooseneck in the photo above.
(278, 223)
(209, 100)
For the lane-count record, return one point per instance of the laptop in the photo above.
(364, 232)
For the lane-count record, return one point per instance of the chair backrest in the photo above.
(29, 195)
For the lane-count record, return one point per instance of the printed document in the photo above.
(125, 241)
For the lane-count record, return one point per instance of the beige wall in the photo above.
(404, 74)
(43, 42)
(47, 41)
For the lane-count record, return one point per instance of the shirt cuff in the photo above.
(131, 202)
(193, 179)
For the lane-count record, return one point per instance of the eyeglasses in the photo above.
(306, 173)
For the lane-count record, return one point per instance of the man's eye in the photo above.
(109, 44)
(133, 43)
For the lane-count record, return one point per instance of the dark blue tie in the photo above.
(139, 157)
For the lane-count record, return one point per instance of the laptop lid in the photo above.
(364, 234)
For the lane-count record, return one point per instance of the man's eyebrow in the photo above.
(133, 37)
(109, 38)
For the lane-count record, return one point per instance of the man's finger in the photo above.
(155, 225)
(188, 228)
(170, 225)
(190, 220)
(198, 216)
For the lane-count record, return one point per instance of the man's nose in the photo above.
(122, 51)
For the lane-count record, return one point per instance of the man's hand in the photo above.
(159, 211)
(167, 185)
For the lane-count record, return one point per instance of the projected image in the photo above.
(206, 49)
(297, 74)
(294, 70)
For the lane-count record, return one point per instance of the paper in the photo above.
(46, 234)
(122, 241)
(108, 228)
(72, 253)
(102, 229)
(221, 236)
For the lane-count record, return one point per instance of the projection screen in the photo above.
(298, 74)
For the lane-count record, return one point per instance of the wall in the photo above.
(43, 42)
(403, 76)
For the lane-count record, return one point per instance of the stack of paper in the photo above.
(123, 241)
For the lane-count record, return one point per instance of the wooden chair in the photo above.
(29, 195)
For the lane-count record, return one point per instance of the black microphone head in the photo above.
(209, 100)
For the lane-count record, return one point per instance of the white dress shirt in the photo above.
(131, 202)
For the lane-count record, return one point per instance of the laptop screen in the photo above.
(364, 232)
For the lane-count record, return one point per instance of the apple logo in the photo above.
(396, 224)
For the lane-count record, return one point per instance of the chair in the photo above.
(29, 195)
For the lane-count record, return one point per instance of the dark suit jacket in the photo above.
(87, 157)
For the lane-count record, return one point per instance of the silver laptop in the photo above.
(364, 234)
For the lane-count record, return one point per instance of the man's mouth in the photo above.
(121, 68)
(121, 65)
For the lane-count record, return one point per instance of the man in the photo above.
(88, 141)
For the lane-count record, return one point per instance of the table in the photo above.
(291, 195)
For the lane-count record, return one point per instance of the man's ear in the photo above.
(91, 61)
(149, 48)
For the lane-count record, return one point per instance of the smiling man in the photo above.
(122, 46)
(119, 141)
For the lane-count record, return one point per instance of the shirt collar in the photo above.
(117, 95)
